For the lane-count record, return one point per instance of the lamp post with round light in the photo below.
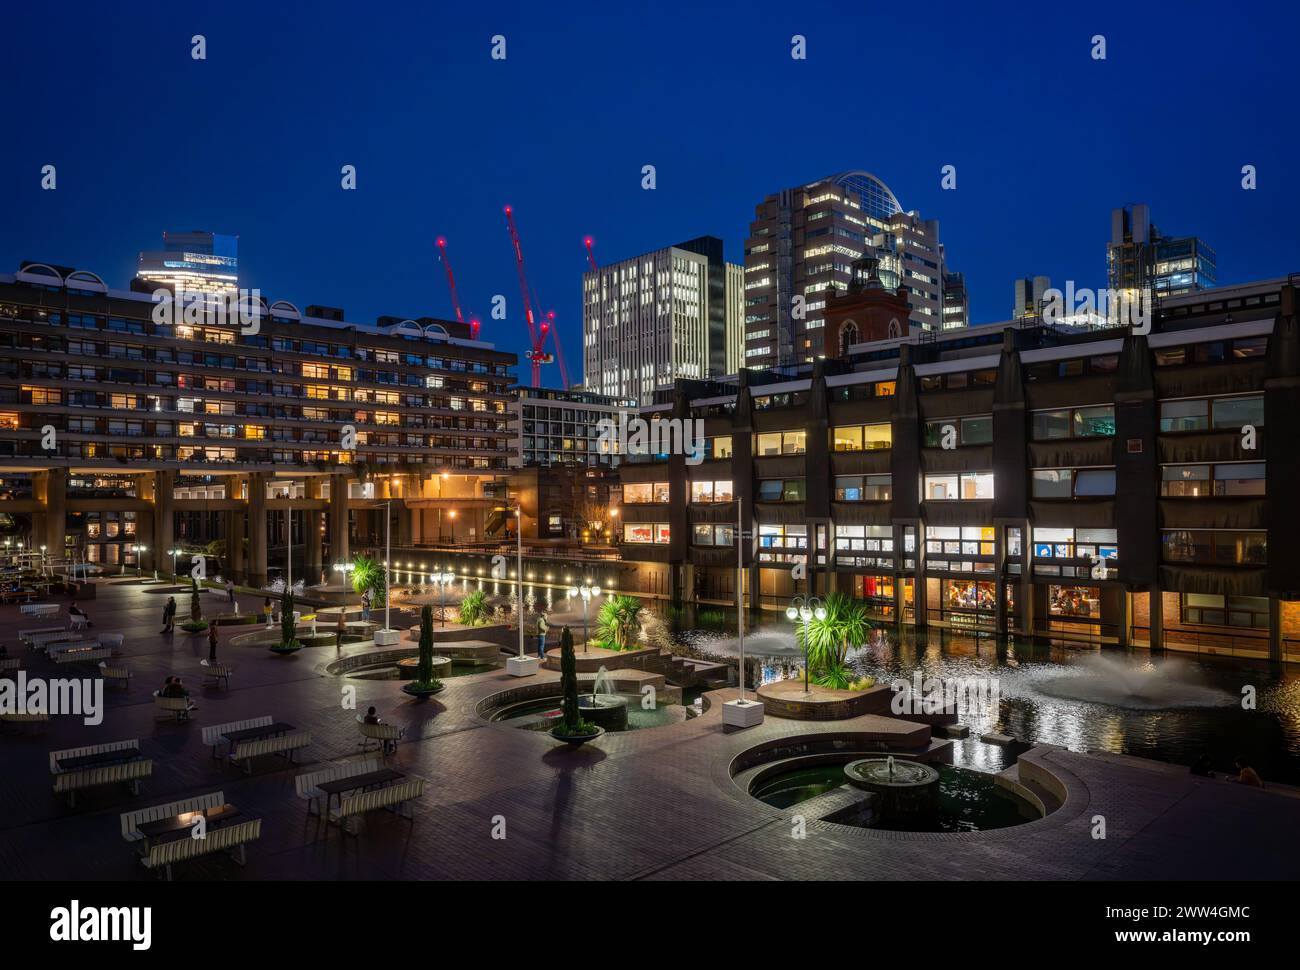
(443, 580)
(805, 608)
(587, 592)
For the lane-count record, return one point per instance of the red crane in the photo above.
(451, 277)
(536, 355)
(591, 254)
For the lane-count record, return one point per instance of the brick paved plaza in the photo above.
(649, 804)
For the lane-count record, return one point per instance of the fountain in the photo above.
(904, 791)
(1109, 680)
(608, 710)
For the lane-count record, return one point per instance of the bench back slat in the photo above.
(380, 797)
(212, 735)
(305, 783)
(57, 756)
(131, 820)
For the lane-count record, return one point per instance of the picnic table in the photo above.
(371, 779)
(100, 759)
(256, 733)
(178, 826)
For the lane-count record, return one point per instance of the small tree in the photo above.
(473, 608)
(619, 622)
(571, 719)
(288, 628)
(196, 602)
(424, 678)
(368, 574)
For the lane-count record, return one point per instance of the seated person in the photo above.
(77, 611)
(174, 688)
(372, 717)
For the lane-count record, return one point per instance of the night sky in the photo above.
(251, 141)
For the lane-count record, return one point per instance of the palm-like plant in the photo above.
(473, 608)
(619, 621)
(845, 627)
(368, 574)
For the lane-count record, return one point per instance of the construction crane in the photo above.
(591, 254)
(451, 277)
(537, 330)
(451, 284)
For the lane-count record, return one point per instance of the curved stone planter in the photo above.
(422, 693)
(785, 698)
(576, 740)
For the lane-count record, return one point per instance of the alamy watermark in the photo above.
(1118, 308)
(937, 695)
(36, 695)
(658, 436)
(194, 308)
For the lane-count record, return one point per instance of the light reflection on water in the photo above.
(1097, 715)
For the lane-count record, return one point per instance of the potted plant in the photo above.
(288, 626)
(196, 623)
(618, 624)
(473, 609)
(572, 729)
(425, 684)
(845, 628)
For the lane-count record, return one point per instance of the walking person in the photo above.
(542, 628)
(212, 642)
(365, 606)
(169, 616)
(230, 591)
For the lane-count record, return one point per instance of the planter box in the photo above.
(742, 714)
(387, 638)
(522, 666)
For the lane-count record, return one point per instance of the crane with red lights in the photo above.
(441, 243)
(591, 254)
(537, 330)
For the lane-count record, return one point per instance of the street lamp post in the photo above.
(587, 592)
(522, 665)
(805, 608)
(387, 636)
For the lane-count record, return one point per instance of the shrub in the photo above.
(368, 574)
(473, 609)
(288, 629)
(424, 679)
(619, 622)
(571, 721)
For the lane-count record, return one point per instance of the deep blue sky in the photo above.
(1046, 141)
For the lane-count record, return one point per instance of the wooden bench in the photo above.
(306, 784)
(131, 820)
(78, 655)
(39, 609)
(213, 736)
(394, 798)
(70, 780)
(41, 640)
(9, 663)
(383, 733)
(113, 641)
(79, 622)
(230, 838)
(33, 721)
(173, 708)
(119, 675)
(281, 744)
(218, 673)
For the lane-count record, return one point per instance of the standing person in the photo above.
(268, 611)
(212, 642)
(230, 591)
(169, 615)
(365, 606)
(542, 628)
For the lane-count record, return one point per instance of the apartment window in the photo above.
(1073, 482)
(782, 443)
(781, 490)
(781, 543)
(1213, 547)
(705, 534)
(858, 437)
(1227, 480)
(646, 532)
(1209, 609)
(643, 493)
(1092, 422)
(711, 492)
(719, 447)
(968, 485)
(1228, 413)
(964, 431)
(863, 488)
(1075, 544)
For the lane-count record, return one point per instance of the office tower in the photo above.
(1140, 257)
(555, 427)
(956, 301)
(202, 262)
(802, 244)
(1031, 291)
(651, 319)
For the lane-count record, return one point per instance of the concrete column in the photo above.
(1126, 618)
(164, 528)
(338, 519)
(56, 513)
(257, 540)
(234, 534)
(1156, 610)
(1274, 628)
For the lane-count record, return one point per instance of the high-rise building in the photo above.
(654, 318)
(1031, 291)
(200, 262)
(1140, 257)
(555, 427)
(804, 241)
(956, 302)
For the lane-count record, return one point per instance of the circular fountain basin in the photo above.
(905, 790)
(604, 710)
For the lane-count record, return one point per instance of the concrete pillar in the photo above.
(1156, 610)
(1274, 628)
(234, 534)
(257, 539)
(1126, 618)
(164, 528)
(56, 513)
(338, 519)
